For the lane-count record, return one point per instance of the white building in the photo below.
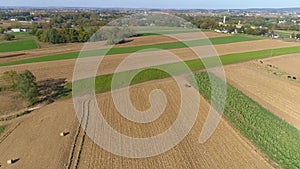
(18, 30)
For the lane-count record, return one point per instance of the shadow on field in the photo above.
(52, 89)
(125, 41)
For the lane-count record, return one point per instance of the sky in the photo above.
(178, 4)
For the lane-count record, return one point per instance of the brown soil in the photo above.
(276, 93)
(287, 63)
(35, 140)
(10, 102)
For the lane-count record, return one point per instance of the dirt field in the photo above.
(288, 63)
(268, 87)
(148, 40)
(35, 139)
(10, 102)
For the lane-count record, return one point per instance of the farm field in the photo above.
(41, 146)
(64, 68)
(273, 136)
(18, 45)
(231, 146)
(131, 49)
(10, 102)
(47, 50)
(288, 64)
(260, 83)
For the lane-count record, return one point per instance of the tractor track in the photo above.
(79, 137)
(9, 132)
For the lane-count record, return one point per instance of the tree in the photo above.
(293, 35)
(1, 30)
(27, 87)
(9, 37)
(10, 77)
(83, 35)
(117, 35)
(53, 36)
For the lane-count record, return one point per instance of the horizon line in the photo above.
(151, 8)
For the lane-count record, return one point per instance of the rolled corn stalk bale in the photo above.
(10, 161)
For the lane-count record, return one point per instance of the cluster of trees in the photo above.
(113, 35)
(294, 35)
(63, 35)
(288, 26)
(5, 15)
(8, 37)
(69, 20)
(23, 83)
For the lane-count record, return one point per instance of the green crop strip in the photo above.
(18, 45)
(274, 137)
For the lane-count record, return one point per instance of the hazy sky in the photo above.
(199, 4)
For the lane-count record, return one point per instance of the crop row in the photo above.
(273, 136)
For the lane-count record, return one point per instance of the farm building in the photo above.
(18, 30)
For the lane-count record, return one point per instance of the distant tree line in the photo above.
(264, 25)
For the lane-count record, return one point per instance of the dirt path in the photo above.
(37, 144)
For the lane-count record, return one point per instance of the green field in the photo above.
(282, 34)
(20, 35)
(18, 45)
(123, 50)
(274, 137)
(2, 128)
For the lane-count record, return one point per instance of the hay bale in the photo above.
(289, 77)
(62, 134)
(261, 61)
(12, 161)
(294, 78)
(188, 85)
